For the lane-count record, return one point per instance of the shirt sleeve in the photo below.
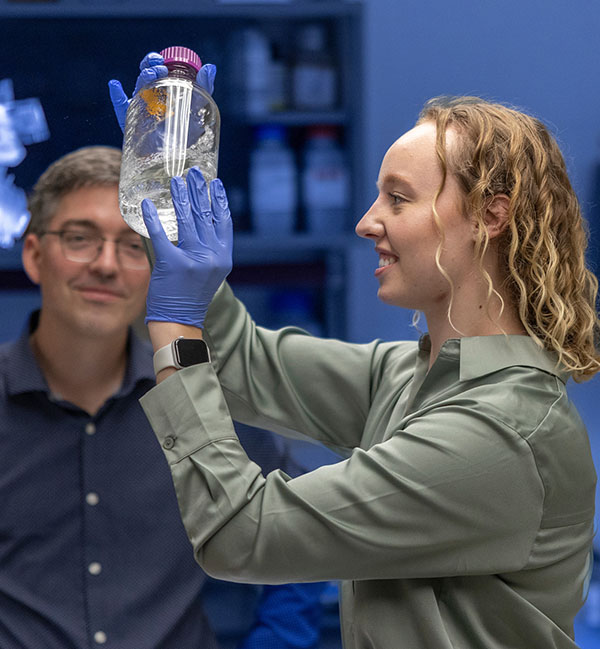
(287, 616)
(268, 377)
(429, 501)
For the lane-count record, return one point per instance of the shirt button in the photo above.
(90, 428)
(169, 442)
(95, 568)
(92, 498)
(100, 637)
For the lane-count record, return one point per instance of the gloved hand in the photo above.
(186, 277)
(152, 68)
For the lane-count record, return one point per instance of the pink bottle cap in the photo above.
(179, 54)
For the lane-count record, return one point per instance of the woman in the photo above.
(463, 516)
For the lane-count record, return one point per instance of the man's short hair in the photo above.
(90, 166)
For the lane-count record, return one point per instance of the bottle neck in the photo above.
(179, 70)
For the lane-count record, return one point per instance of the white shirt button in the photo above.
(100, 637)
(90, 428)
(95, 568)
(92, 498)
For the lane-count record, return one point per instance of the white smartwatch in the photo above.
(181, 352)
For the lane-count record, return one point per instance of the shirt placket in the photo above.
(95, 548)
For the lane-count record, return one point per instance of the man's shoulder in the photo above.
(8, 359)
(8, 345)
(17, 349)
(140, 367)
(9, 350)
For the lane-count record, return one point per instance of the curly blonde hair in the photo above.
(501, 150)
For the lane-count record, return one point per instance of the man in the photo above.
(92, 549)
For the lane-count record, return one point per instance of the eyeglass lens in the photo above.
(85, 247)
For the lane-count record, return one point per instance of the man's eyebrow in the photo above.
(79, 223)
(92, 225)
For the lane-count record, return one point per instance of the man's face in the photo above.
(100, 297)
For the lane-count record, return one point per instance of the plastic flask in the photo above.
(273, 182)
(325, 182)
(172, 125)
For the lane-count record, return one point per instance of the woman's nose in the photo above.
(369, 226)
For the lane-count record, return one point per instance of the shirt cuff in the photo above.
(188, 411)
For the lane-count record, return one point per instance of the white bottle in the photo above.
(250, 54)
(273, 183)
(325, 182)
(314, 79)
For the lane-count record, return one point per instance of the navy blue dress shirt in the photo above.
(93, 552)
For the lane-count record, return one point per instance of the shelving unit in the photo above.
(75, 46)
(69, 49)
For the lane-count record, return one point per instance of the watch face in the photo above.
(189, 351)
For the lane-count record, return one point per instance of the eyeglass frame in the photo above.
(101, 241)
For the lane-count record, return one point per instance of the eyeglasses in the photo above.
(85, 247)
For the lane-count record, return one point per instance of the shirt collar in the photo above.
(23, 373)
(481, 355)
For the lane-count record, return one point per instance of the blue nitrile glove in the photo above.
(186, 277)
(152, 67)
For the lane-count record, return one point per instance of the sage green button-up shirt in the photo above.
(462, 517)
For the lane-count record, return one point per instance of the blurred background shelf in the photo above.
(97, 41)
(195, 8)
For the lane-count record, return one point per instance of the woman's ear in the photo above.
(30, 257)
(496, 215)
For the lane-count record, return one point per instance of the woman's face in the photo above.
(401, 224)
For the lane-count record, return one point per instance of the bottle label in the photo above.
(274, 190)
(326, 187)
(314, 87)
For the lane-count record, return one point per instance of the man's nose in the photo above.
(107, 259)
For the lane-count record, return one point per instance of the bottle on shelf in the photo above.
(278, 81)
(314, 78)
(172, 125)
(325, 181)
(272, 182)
(250, 78)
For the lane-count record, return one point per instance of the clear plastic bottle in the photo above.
(172, 125)
(273, 182)
(325, 182)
